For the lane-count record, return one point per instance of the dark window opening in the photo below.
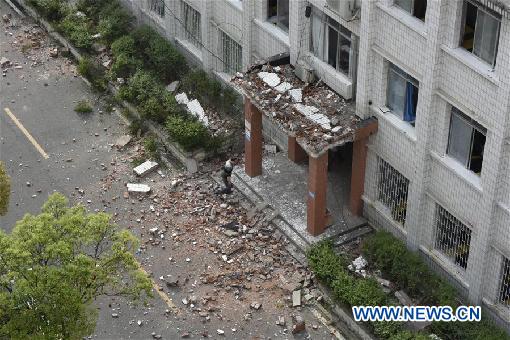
(416, 8)
(278, 13)
(402, 94)
(466, 141)
(480, 32)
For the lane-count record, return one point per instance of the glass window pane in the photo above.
(318, 37)
(459, 141)
(405, 5)
(283, 14)
(344, 54)
(332, 46)
(396, 94)
(486, 36)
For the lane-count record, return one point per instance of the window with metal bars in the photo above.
(392, 190)
(504, 291)
(231, 52)
(192, 28)
(453, 238)
(158, 7)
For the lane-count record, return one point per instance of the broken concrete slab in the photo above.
(122, 141)
(296, 298)
(173, 86)
(145, 168)
(137, 188)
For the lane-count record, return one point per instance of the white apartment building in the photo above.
(436, 75)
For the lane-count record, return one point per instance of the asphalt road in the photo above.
(42, 97)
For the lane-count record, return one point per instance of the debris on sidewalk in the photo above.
(145, 168)
(122, 141)
(138, 188)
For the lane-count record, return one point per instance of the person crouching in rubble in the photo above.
(226, 174)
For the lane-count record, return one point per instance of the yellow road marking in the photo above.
(160, 292)
(26, 133)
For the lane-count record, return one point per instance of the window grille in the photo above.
(192, 28)
(453, 238)
(392, 190)
(504, 292)
(158, 7)
(231, 52)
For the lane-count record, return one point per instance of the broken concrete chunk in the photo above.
(122, 141)
(269, 78)
(296, 298)
(138, 188)
(145, 168)
(296, 95)
(283, 87)
(182, 98)
(197, 111)
(4, 62)
(172, 87)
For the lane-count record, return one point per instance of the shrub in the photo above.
(484, 330)
(406, 269)
(140, 87)
(114, 21)
(78, 29)
(159, 55)
(324, 262)
(93, 72)
(189, 133)
(83, 106)
(124, 45)
(52, 10)
(124, 66)
(390, 330)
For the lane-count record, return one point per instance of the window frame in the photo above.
(225, 41)
(390, 179)
(503, 297)
(277, 19)
(412, 12)
(487, 11)
(322, 47)
(458, 256)
(408, 79)
(157, 7)
(475, 127)
(194, 35)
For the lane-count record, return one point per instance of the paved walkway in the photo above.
(283, 185)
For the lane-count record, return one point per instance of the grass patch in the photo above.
(83, 106)
(91, 70)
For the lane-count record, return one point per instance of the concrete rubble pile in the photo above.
(315, 114)
(209, 117)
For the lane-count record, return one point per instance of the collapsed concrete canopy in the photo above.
(315, 115)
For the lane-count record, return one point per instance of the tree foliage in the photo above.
(5, 190)
(53, 265)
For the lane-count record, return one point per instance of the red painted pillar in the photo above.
(294, 151)
(317, 188)
(252, 139)
(359, 162)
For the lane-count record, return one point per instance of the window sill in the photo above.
(405, 18)
(237, 4)
(274, 30)
(473, 62)
(447, 265)
(470, 177)
(190, 48)
(502, 311)
(407, 129)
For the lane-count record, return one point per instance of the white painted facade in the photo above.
(448, 75)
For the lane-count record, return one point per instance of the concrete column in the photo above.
(317, 188)
(252, 139)
(359, 163)
(294, 151)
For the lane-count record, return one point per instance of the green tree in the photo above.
(5, 190)
(53, 265)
